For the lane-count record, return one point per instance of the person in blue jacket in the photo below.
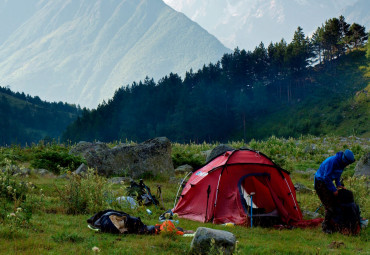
(331, 170)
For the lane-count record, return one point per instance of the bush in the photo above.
(88, 193)
(54, 161)
(15, 208)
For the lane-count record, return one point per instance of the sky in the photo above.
(246, 23)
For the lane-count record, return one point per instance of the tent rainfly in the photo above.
(220, 192)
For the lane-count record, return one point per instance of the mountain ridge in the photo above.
(88, 50)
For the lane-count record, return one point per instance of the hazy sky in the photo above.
(245, 23)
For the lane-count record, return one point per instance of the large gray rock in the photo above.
(217, 151)
(152, 157)
(212, 241)
(363, 166)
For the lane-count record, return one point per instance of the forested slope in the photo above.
(306, 86)
(26, 119)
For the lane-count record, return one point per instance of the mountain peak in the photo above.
(81, 51)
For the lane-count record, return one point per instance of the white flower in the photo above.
(95, 249)
(19, 209)
(9, 188)
(12, 215)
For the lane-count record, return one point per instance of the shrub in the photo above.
(86, 193)
(54, 161)
(15, 210)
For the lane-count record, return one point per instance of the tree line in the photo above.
(27, 119)
(220, 100)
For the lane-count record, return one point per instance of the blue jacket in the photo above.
(331, 169)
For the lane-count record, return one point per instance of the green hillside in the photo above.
(27, 119)
(311, 86)
(339, 103)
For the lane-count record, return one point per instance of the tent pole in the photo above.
(178, 190)
(251, 195)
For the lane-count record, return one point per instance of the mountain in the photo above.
(81, 51)
(27, 119)
(245, 23)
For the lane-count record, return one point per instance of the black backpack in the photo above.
(347, 213)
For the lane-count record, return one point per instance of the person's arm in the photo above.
(328, 181)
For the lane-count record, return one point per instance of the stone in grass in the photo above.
(207, 240)
(299, 187)
(183, 169)
(82, 169)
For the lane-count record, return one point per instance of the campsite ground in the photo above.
(50, 230)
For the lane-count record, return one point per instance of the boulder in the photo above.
(212, 241)
(183, 169)
(217, 151)
(363, 166)
(152, 157)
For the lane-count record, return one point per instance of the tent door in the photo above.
(263, 203)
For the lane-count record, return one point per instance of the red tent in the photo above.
(220, 192)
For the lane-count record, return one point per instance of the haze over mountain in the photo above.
(81, 51)
(245, 23)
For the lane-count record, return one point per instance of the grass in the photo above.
(52, 231)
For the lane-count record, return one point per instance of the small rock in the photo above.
(63, 176)
(311, 148)
(120, 180)
(207, 240)
(184, 169)
(44, 173)
(81, 169)
(301, 188)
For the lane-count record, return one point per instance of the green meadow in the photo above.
(47, 215)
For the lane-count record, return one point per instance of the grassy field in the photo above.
(43, 225)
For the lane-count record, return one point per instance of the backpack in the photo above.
(347, 216)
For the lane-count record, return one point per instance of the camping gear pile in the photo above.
(116, 222)
(141, 193)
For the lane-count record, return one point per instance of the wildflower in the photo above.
(95, 249)
(9, 188)
(12, 215)
(19, 209)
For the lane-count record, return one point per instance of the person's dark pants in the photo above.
(329, 201)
